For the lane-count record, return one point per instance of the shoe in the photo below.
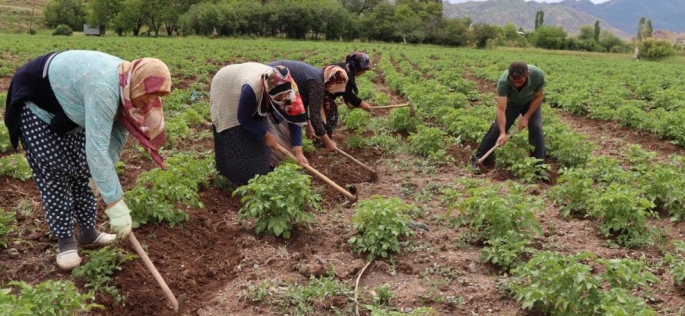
(103, 239)
(68, 260)
(474, 165)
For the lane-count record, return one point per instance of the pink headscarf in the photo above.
(145, 123)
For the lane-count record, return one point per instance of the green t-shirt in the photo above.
(535, 83)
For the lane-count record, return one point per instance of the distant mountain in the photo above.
(618, 16)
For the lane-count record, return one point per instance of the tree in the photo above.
(655, 49)
(68, 12)
(549, 37)
(586, 33)
(483, 32)
(101, 12)
(597, 31)
(539, 18)
(644, 29)
(359, 7)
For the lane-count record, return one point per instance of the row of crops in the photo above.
(626, 195)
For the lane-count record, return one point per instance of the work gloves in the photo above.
(120, 219)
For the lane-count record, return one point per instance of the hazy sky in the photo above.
(461, 1)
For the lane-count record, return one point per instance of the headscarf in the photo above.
(145, 123)
(359, 61)
(278, 81)
(334, 79)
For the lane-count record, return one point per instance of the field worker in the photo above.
(519, 93)
(355, 64)
(318, 88)
(73, 111)
(243, 98)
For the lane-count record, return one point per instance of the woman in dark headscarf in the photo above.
(318, 88)
(355, 64)
(244, 97)
(72, 111)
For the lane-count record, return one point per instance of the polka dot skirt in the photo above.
(60, 170)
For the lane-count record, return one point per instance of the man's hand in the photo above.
(501, 139)
(119, 218)
(523, 122)
(271, 141)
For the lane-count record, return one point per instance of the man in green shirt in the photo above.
(519, 93)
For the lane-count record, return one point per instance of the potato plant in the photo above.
(59, 298)
(15, 166)
(7, 225)
(98, 271)
(278, 200)
(380, 223)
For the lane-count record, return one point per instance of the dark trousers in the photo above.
(535, 135)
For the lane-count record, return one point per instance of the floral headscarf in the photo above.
(335, 79)
(278, 81)
(145, 123)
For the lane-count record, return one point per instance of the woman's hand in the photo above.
(299, 156)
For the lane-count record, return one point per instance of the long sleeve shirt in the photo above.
(252, 123)
(86, 84)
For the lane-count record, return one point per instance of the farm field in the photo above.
(605, 237)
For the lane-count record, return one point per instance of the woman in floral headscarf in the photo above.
(318, 88)
(244, 97)
(72, 112)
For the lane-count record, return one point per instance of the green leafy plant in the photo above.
(564, 285)
(380, 222)
(4, 137)
(15, 166)
(63, 30)
(530, 169)
(427, 140)
(383, 311)
(6, 226)
(399, 120)
(356, 120)
(505, 251)
(158, 193)
(98, 271)
(623, 213)
(491, 213)
(60, 298)
(278, 200)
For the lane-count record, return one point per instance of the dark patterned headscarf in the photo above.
(278, 81)
(358, 61)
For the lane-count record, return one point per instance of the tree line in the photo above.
(408, 21)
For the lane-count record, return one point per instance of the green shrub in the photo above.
(356, 120)
(60, 298)
(427, 140)
(399, 120)
(63, 30)
(655, 48)
(278, 200)
(380, 222)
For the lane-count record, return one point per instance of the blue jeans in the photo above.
(535, 135)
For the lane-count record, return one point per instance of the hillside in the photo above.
(15, 15)
(521, 13)
(619, 16)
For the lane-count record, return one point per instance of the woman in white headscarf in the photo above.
(244, 97)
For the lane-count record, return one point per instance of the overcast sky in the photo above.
(461, 1)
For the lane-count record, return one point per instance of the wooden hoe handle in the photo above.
(151, 267)
(311, 169)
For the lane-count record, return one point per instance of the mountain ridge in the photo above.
(618, 16)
